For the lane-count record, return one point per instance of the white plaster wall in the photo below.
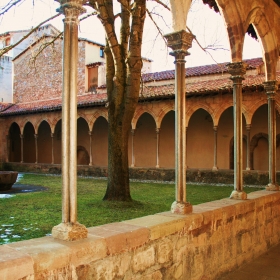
(92, 53)
(6, 88)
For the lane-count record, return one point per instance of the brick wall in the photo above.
(41, 79)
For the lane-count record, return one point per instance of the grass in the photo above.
(31, 215)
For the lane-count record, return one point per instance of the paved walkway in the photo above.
(265, 267)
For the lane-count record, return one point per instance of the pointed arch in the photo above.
(139, 113)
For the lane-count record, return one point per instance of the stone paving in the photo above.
(265, 267)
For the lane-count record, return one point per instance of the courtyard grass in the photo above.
(31, 215)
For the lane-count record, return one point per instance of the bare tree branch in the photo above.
(9, 6)
(162, 4)
(157, 27)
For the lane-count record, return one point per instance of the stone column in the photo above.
(90, 147)
(215, 168)
(132, 148)
(52, 136)
(180, 42)
(270, 89)
(237, 71)
(69, 229)
(248, 129)
(36, 148)
(157, 132)
(21, 146)
(8, 147)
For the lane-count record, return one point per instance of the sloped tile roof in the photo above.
(199, 70)
(223, 84)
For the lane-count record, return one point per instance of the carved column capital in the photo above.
(132, 132)
(270, 88)
(237, 70)
(215, 128)
(179, 42)
(157, 130)
(71, 9)
(248, 127)
(89, 133)
(21, 136)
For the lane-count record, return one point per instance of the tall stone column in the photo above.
(157, 132)
(248, 129)
(21, 147)
(52, 136)
(237, 71)
(8, 147)
(215, 128)
(36, 148)
(69, 229)
(90, 147)
(270, 89)
(132, 148)
(180, 42)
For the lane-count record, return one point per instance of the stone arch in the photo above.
(29, 154)
(220, 111)
(38, 123)
(265, 33)
(82, 156)
(254, 142)
(235, 28)
(95, 116)
(193, 109)
(256, 105)
(44, 142)
(165, 110)
(139, 113)
(57, 141)
(14, 144)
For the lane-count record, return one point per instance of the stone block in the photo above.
(165, 251)
(14, 264)
(143, 259)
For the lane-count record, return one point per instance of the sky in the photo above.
(207, 25)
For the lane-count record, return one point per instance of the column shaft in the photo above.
(270, 88)
(132, 148)
(36, 148)
(52, 136)
(180, 42)
(157, 162)
(21, 146)
(90, 147)
(237, 70)
(8, 147)
(248, 129)
(215, 168)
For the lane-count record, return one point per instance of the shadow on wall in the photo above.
(82, 156)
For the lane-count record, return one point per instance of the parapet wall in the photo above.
(225, 176)
(217, 237)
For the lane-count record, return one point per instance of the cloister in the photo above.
(188, 242)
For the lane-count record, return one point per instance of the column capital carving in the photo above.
(71, 9)
(215, 128)
(132, 131)
(89, 133)
(237, 70)
(179, 42)
(270, 88)
(52, 135)
(157, 130)
(21, 136)
(35, 136)
(248, 127)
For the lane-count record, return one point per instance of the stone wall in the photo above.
(217, 237)
(252, 177)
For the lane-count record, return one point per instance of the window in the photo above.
(101, 52)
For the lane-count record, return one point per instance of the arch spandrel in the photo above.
(95, 116)
(165, 110)
(253, 109)
(265, 31)
(193, 109)
(139, 113)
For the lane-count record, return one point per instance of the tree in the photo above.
(123, 75)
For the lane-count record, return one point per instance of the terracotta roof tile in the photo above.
(199, 70)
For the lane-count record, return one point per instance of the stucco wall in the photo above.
(217, 237)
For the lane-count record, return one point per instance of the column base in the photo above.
(181, 207)
(69, 231)
(248, 168)
(215, 168)
(238, 195)
(272, 187)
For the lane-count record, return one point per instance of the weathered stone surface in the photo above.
(69, 232)
(144, 259)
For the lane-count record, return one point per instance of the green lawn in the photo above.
(31, 215)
